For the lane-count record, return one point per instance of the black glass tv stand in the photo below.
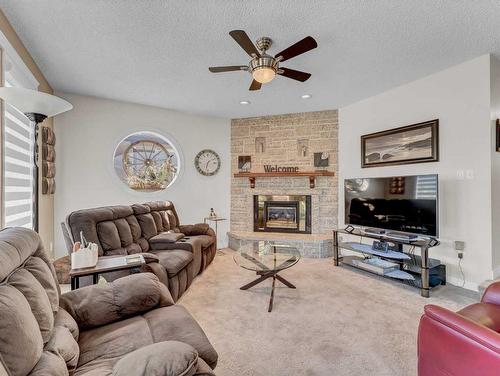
(414, 269)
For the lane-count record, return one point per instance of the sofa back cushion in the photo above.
(29, 301)
(115, 229)
(164, 215)
(122, 230)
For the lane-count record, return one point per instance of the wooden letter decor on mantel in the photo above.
(280, 171)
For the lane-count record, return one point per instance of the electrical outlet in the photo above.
(459, 245)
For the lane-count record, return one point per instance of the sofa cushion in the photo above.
(38, 300)
(172, 220)
(111, 342)
(174, 260)
(158, 221)
(21, 342)
(157, 241)
(63, 318)
(124, 232)
(102, 304)
(169, 358)
(133, 248)
(174, 323)
(102, 347)
(148, 225)
(44, 275)
(63, 344)
(50, 364)
(135, 228)
(14, 251)
(108, 235)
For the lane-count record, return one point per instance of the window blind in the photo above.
(427, 186)
(18, 138)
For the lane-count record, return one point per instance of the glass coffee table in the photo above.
(267, 259)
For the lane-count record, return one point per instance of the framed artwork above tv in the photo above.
(416, 143)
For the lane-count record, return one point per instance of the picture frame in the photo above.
(321, 159)
(415, 143)
(244, 163)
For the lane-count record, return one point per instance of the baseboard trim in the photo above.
(460, 283)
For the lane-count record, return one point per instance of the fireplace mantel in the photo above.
(311, 174)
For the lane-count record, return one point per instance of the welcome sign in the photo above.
(276, 168)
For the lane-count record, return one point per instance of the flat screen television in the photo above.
(399, 203)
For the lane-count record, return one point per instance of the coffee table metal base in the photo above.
(265, 275)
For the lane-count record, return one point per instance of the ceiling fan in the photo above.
(264, 67)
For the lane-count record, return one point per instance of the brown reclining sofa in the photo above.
(153, 229)
(129, 327)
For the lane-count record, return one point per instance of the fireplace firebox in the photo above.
(282, 213)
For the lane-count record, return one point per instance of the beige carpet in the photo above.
(337, 322)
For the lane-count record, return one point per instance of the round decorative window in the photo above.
(146, 162)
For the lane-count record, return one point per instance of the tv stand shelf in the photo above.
(413, 269)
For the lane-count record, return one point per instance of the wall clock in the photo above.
(207, 162)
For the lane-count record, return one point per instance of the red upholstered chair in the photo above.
(463, 343)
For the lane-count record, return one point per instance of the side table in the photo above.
(216, 220)
(105, 264)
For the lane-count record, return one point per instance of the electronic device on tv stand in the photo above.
(374, 231)
(401, 235)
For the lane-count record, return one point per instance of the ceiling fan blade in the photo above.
(255, 85)
(295, 74)
(304, 45)
(228, 68)
(244, 41)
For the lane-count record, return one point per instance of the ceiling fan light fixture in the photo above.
(263, 74)
(264, 67)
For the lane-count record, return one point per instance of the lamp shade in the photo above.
(33, 101)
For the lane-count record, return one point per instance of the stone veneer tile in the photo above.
(281, 133)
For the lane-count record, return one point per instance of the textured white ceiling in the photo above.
(157, 52)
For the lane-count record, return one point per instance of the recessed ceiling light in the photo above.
(306, 96)
(245, 102)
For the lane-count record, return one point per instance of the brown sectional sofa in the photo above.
(127, 327)
(184, 251)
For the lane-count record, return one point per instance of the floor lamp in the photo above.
(37, 106)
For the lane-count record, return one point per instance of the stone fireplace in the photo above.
(282, 213)
(285, 208)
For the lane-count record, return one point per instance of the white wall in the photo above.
(87, 137)
(460, 98)
(495, 165)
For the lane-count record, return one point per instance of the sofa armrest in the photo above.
(169, 358)
(150, 257)
(492, 294)
(462, 325)
(211, 232)
(196, 229)
(156, 268)
(98, 305)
